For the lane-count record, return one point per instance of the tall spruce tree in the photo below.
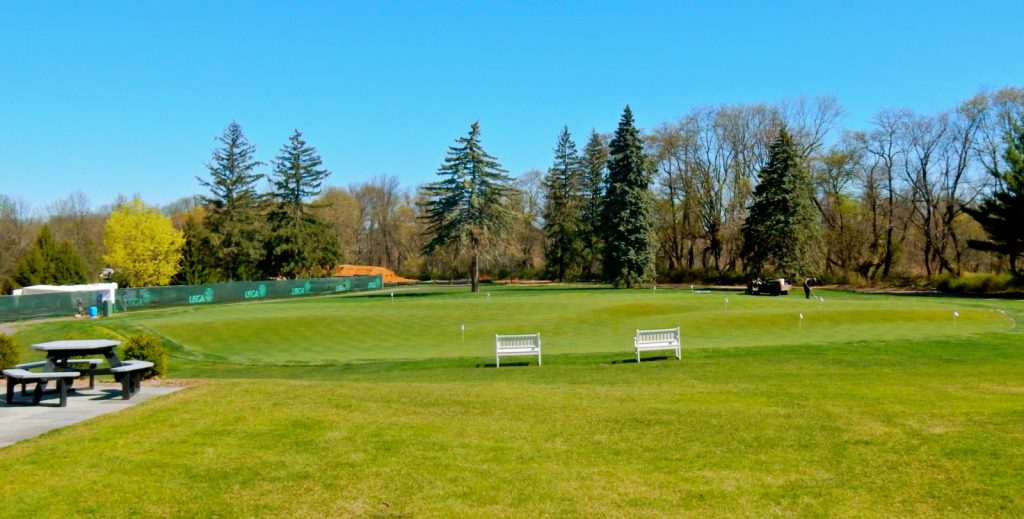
(563, 209)
(299, 243)
(1001, 213)
(628, 210)
(466, 209)
(592, 184)
(780, 233)
(234, 221)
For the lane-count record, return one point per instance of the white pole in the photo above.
(726, 302)
(801, 325)
(955, 315)
(463, 326)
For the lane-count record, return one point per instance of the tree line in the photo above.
(721, 193)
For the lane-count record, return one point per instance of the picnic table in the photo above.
(58, 352)
(57, 367)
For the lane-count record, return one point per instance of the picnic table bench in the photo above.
(17, 376)
(517, 346)
(129, 374)
(653, 340)
(89, 364)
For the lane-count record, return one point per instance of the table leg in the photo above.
(38, 395)
(62, 386)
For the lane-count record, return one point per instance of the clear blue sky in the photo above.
(127, 97)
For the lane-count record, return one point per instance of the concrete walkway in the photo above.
(19, 422)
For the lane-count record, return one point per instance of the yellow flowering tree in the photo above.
(142, 245)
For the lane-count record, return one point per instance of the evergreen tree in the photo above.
(196, 255)
(1001, 213)
(299, 243)
(562, 211)
(780, 234)
(628, 211)
(466, 209)
(47, 262)
(234, 222)
(592, 185)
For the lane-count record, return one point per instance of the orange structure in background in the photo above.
(363, 270)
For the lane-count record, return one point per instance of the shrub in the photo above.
(147, 347)
(970, 283)
(8, 351)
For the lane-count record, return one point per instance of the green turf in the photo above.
(831, 422)
(428, 324)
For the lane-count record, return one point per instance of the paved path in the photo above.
(19, 422)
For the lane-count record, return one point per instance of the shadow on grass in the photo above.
(644, 359)
(507, 364)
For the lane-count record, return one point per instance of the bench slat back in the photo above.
(664, 335)
(531, 340)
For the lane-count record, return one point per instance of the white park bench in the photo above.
(517, 346)
(652, 340)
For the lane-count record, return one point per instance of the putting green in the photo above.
(418, 324)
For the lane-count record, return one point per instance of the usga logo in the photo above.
(205, 297)
(260, 292)
(304, 289)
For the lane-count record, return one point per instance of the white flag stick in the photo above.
(463, 327)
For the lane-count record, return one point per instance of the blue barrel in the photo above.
(93, 312)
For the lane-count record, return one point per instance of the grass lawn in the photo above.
(872, 406)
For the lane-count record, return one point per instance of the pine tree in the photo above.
(47, 262)
(299, 243)
(466, 208)
(234, 222)
(592, 185)
(780, 233)
(628, 211)
(562, 211)
(196, 254)
(1001, 213)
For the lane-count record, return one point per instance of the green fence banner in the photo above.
(14, 308)
(66, 304)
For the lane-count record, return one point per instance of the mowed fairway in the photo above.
(873, 406)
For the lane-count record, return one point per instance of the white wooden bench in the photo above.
(129, 374)
(653, 340)
(517, 346)
(17, 376)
